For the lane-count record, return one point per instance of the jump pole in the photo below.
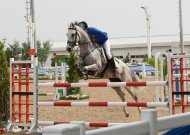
(104, 84)
(106, 104)
(89, 124)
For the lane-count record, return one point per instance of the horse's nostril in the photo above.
(69, 49)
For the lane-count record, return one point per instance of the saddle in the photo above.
(105, 60)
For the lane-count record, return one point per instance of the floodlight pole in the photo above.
(33, 34)
(147, 15)
(181, 27)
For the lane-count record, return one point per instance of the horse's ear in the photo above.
(76, 23)
(71, 25)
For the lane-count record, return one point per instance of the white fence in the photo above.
(149, 125)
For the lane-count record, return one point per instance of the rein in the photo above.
(87, 53)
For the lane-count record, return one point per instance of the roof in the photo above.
(160, 40)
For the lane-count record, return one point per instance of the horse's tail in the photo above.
(134, 76)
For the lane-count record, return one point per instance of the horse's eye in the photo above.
(73, 35)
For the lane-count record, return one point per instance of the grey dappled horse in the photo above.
(92, 59)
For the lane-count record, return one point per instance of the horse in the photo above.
(93, 60)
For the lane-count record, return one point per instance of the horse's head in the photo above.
(73, 37)
(76, 36)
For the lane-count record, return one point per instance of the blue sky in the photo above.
(119, 18)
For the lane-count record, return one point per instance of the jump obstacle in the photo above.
(160, 59)
(90, 84)
(59, 91)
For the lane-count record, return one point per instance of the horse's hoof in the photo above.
(126, 114)
(139, 109)
(135, 97)
(85, 77)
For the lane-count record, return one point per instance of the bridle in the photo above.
(74, 43)
(75, 40)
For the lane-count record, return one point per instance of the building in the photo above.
(135, 46)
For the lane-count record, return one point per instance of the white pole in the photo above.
(157, 75)
(148, 36)
(56, 73)
(162, 76)
(57, 95)
(82, 126)
(169, 83)
(63, 76)
(62, 72)
(34, 125)
(181, 27)
(147, 15)
(150, 116)
(143, 70)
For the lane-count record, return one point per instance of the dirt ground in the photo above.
(98, 114)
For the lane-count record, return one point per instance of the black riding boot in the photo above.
(115, 72)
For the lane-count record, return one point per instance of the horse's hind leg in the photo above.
(122, 96)
(132, 93)
(134, 96)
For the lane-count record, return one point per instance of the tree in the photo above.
(127, 58)
(72, 73)
(145, 58)
(59, 59)
(13, 51)
(25, 51)
(17, 51)
(4, 85)
(43, 51)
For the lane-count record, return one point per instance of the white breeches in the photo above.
(107, 48)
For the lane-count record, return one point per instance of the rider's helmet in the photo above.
(83, 25)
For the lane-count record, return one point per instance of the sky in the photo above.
(119, 18)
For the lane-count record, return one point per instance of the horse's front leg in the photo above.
(93, 67)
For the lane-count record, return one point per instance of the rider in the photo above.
(102, 39)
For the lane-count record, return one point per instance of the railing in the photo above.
(149, 125)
